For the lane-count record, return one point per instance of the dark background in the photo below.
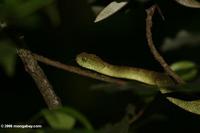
(120, 40)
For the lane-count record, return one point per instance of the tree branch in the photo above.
(150, 12)
(78, 70)
(46, 89)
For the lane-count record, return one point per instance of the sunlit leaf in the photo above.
(109, 10)
(187, 70)
(189, 3)
(58, 119)
(192, 106)
(7, 56)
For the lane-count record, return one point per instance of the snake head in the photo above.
(90, 61)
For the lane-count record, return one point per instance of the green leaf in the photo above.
(109, 10)
(71, 115)
(58, 119)
(187, 70)
(8, 56)
(78, 116)
(189, 3)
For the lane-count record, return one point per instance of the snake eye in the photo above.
(84, 59)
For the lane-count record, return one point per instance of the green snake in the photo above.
(95, 63)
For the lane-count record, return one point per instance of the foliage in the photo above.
(65, 118)
(24, 13)
(187, 70)
(28, 14)
(7, 56)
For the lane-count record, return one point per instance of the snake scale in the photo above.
(95, 63)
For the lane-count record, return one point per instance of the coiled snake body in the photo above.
(93, 62)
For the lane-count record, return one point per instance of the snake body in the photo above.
(95, 63)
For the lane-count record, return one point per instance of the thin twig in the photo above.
(157, 56)
(46, 89)
(137, 116)
(78, 70)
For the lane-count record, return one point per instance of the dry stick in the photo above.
(157, 56)
(46, 89)
(78, 70)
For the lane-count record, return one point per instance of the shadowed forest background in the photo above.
(119, 39)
